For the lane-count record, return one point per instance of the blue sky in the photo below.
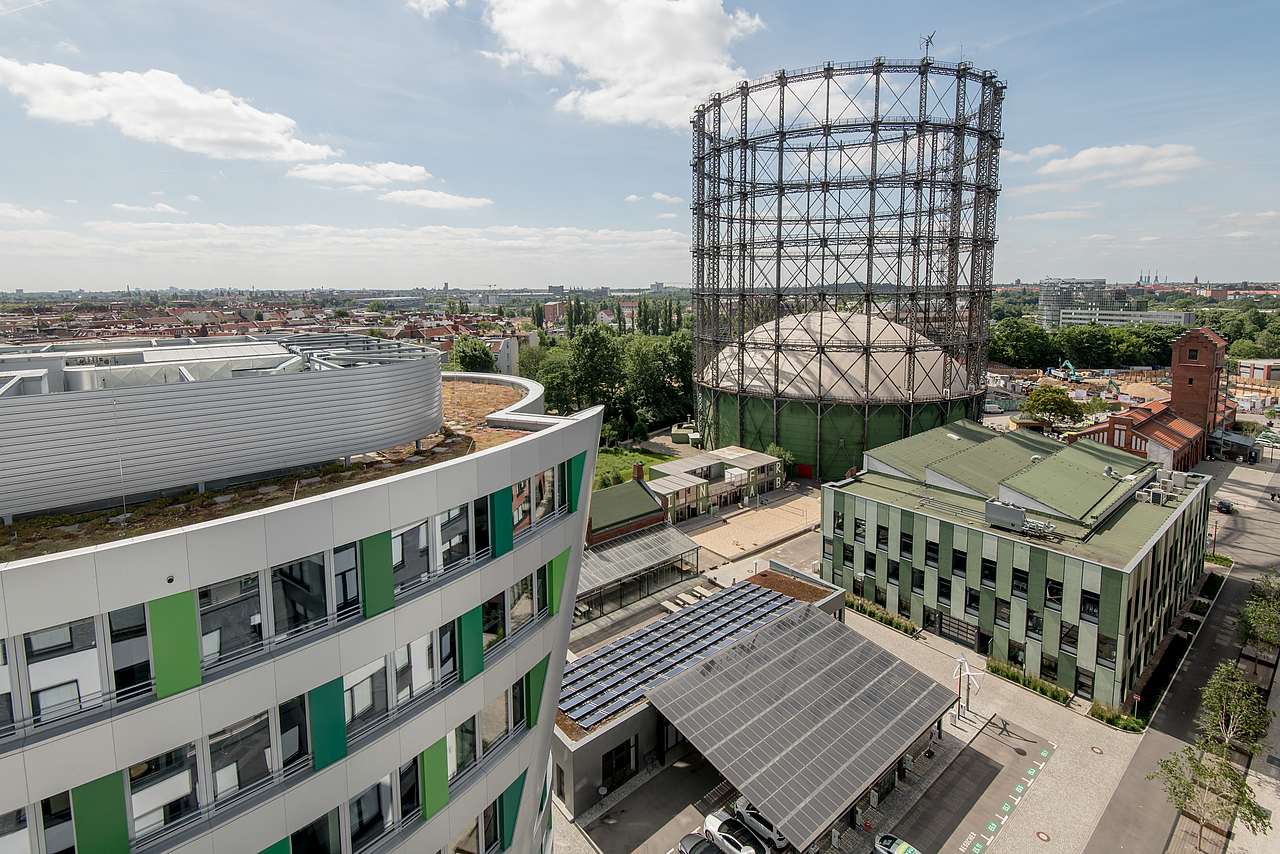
(524, 142)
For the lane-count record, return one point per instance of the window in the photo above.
(930, 553)
(293, 731)
(460, 747)
(827, 548)
(63, 670)
(414, 669)
(904, 606)
(346, 579)
(869, 564)
(239, 755)
(1084, 683)
(619, 765)
(163, 790)
(448, 650)
(490, 822)
(849, 554)
(522, 611)
(859, 530)
(1017, 653)
(906, 544)
(1107, 651)
(322, 836)
(59, 832)
(521, 509)
(1049, 668)
(1021, 582)
(480, 511)
(1193, 354)
(1069, 637)
(517, 704)
(130, 653)
(364, 693)
(411, 558)
(917, 580)
(230, 619)
(468, 841)
(410, 802)
(1089, 606)
(493, 723)
(972, 602)
(493, 620)
(944, 591)
(1053, 595)
(882, 537)
(540, 585)
(1002, 613)
(893, 570)
(6, 692)
(959, 562)
(298, 595)
(370, 813)
(837, 522)
(544, 495)
(988, 572)
(14, 837)
(1035, 624)
(1191, 380)
(455, 539)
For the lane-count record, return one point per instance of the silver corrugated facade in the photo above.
(69, 449)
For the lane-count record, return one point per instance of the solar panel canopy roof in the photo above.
(802, 715)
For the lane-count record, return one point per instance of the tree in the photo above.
(342, 312)
(1054, 403)
(556, 376)
(378, 305)
(1259, 621)
(257, 315)
(472, 354)
(1095, 406)
(784, 456)
(531, 359)
(1210, 788)
(597, 366)
(539, 315)
(1233, 711)
(1021, 344)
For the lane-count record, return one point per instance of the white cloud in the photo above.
(1065, 214)
(632, 198)
(1241, 234)
(157, 192)
(13, 213)
(428, 7)
(1128, 166)
(1026, 189)
(667, 215)
(157, 106)
(663, 197)
(67, 46)
(434, 199)
(1034, 154)
(363, 175)
(70, 201)
(633, 61)
(158, 207)
(193, 198)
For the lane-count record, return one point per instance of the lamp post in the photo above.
(1214, 548)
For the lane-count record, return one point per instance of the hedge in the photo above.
(1013, 674)
(875, 612)
(1115, 717)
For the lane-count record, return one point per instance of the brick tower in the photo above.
(1199, 366)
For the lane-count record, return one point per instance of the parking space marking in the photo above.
(976, 844)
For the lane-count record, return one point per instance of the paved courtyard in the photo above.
(791, 510)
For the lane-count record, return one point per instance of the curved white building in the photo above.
(332, 660)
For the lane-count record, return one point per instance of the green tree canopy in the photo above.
(1053, 403)
(377, 305)
(472, 354)
(1022, 344)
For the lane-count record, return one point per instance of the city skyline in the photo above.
(547, 141)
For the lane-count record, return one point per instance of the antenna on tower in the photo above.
(926, 42)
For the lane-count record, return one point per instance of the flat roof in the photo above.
(802, 715)
(912, 455)
(620, 504)
(1073, 480)
(629, 554)
(729, 456)
(981, 467)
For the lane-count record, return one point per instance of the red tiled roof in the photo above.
(1162, 434)
(1181, 425)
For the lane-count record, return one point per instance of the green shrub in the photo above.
(875, 612)
(1007, 671)
(1220, 560)
(1115, 717)
(1199, 608)
(1212, 585)
(1190, 626)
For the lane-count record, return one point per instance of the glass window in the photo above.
(468, 841)
(544, 495)
(893, 570)
(827, 547)
(869, 564)
(1021, 582)
(230, 619)
(859, 530)
(130, 652)
(1053, 595)
(917, 580)
(480, 509)
(455, 537)
(364, 693)
(1070, 637)
(930, 553)
(517, 704)
(62, 666)
(1002, 613)
(322, 836)
(293, 731)
(1017, 653)
(14, 837)
(163, 790)
(491, 826)
(944, 591)
(1193, 354)
(413, 568)
(521, 508)
(410, 802)
(540, 581)
(414, 669)
(493, 620)
(988, 572)
(493, 722)
(521, 594)
(346, 580)
(1089, 606)
(619, 765)
(460, 747)
(906, 546)
(904, 606)
(882, 537)
(241, 755)
(837, 521)
(298, 595)
(448, 650)
(959, 562)
(972, 602)
(1084, 683)
(1035, 624)
(59, 832)
(1049, 668)
(370, 813)
(850, 554)
(562, 484)
(1107, 650)
(6, 691)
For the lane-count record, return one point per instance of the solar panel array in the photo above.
(600, 685)
(802, 716)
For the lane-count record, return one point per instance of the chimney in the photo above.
(637, 472)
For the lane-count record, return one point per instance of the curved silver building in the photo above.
(844, 229)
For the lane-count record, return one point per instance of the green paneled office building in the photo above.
(1070, 561)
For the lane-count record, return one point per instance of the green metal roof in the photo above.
(911, 455)
(621, 504)
(1073, 481)
(982, 467)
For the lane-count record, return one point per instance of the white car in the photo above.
(887, 843)
(730, 835)
(760, 825)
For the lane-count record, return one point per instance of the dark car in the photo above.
(1224, 506)
(696, 843)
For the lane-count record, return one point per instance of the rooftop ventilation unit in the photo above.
(1039, 529)
(1006, 516)
(1108, 471)
(1157, 497)
(1035, 458)
(1143, 495)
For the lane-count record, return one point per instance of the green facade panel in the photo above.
(433, 771)
(509, 810)
(327, 718)
(470, 644)
(987, 609)
(535, 682)
(501, 522)
(556, 571)
(577, 465)
(281, 847)
(1112, 601)
(98, 816)
(376, 587)
(175, 643)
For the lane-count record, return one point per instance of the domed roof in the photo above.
(824, 355)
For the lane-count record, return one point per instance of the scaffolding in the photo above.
(844, 232)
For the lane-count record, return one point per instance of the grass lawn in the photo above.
(620, 460)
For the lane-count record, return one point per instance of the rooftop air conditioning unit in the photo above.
(1180, 479)
(1143, 495)
(1157, 496)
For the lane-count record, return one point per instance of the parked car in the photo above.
(730, 834)
(759, 825)
(887, 843)
(696, 843)
(1224, 506)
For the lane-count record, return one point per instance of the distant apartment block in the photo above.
(1070, 302)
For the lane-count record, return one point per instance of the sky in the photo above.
(393, 144)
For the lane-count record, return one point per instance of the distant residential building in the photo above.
(694, 486)
(1123, 317)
